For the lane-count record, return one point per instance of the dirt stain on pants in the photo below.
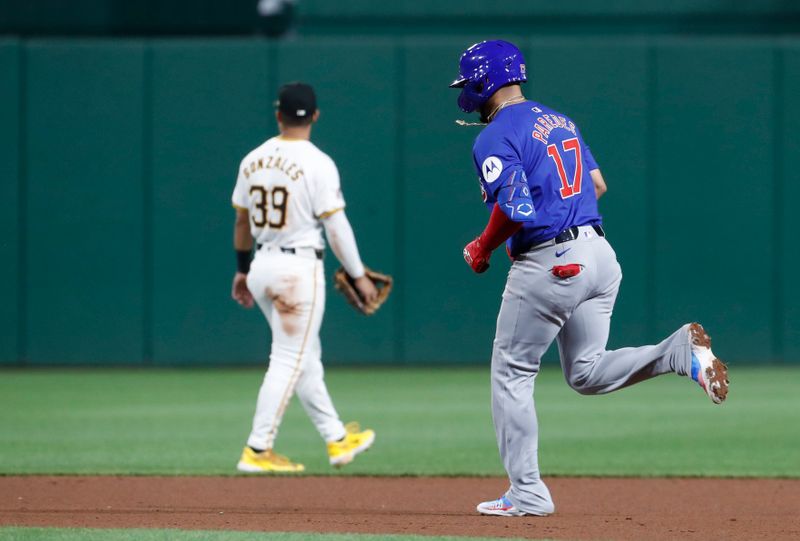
(286, 304)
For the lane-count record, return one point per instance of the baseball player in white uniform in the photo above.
(287, 191)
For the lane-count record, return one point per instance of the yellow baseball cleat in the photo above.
(354, 442)
(266, 462)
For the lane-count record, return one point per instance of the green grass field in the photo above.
(429, 422)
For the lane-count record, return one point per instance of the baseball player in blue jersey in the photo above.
(541, 184)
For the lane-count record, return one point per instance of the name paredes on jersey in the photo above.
(547, 123)
(290, 169)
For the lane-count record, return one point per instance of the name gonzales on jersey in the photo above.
(290, 169)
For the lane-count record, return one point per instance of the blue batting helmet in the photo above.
(484, 68)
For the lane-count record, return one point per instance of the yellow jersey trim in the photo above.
(330, 213)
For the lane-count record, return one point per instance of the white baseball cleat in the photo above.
(707, 370)
(501, 507)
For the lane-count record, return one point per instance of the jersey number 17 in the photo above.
(573, 145)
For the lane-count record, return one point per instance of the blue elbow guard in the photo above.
(515, 198)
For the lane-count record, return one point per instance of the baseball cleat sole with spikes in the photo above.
(707, 370)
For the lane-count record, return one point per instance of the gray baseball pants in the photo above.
(537, 308)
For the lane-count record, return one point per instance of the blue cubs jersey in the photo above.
(533, 162)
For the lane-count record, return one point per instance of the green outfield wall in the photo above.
(117, 159)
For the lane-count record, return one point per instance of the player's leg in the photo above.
(588, 367)
(315, 399)
(283, 287)
(311, 389)
(343, 443)
(524, 332)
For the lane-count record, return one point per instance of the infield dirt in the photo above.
(586, 508)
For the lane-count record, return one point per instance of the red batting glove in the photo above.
(476, 256)
(499, 228)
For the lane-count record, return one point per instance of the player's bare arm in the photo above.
(367, 289)
(243, 244)
(599, 183)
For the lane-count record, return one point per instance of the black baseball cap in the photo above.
(296, 100)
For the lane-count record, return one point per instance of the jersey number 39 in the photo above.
(262, 203)
(567, 189)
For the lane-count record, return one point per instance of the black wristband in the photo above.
(243, 258)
